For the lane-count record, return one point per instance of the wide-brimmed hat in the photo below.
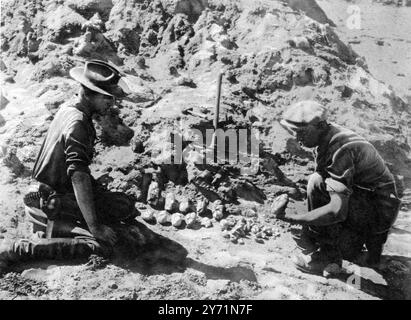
(101, 77)
(302, 114)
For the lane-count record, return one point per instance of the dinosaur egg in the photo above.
(148, 215)
(206, 222)
(163, 217)
(186, 206)
(177, 219)
(171, 203)
(191, 219)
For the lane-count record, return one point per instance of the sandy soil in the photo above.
(383, 38)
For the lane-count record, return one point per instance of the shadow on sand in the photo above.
(161, 255)
(141, 250)
(396, 276)
(392, 281)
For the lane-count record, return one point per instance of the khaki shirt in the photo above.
(67, 147)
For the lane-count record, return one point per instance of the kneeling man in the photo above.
(74, 213)
(352, 196)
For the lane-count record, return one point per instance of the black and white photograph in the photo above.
(223, 152)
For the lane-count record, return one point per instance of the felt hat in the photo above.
(101, 77)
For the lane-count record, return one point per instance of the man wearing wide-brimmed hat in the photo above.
(69, 208)
(352, 196)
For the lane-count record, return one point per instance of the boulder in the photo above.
(192, 8)
(88, 7)
(63, 23)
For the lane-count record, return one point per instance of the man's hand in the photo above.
(104, 233)
(334, 212)
(279, 205)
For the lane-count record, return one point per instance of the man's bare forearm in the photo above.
(84, 195)
(318, 217)
(333, 212)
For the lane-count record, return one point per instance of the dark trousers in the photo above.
(370, 216)
(71, 237)
(111, 208)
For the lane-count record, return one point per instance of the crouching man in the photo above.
(352, 197)
(70, 209)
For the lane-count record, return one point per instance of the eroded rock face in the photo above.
(396, 155)
(272, 53)
(90, 7)
(311, 9)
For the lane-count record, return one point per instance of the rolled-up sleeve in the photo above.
(341, 171)
(337, 187)
(78, 148)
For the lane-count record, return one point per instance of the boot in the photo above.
(305, 241)
(55, 249)
(33, 199)
(319, 262)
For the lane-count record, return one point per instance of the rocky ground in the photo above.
(272, 54)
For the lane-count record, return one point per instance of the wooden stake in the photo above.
(216, 114)
(217, 107)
